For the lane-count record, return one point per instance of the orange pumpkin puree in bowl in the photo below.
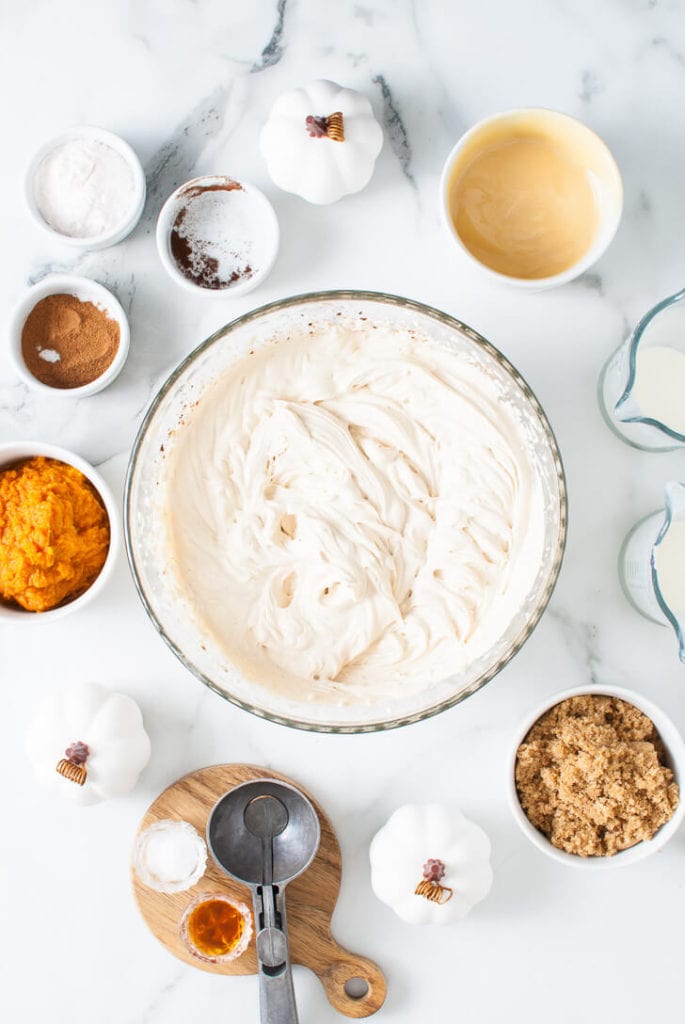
(54, 534)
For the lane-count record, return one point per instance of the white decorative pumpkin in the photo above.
(321, 141)
(430, 864)
(88, 744)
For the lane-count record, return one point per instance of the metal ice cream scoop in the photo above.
(265, 833)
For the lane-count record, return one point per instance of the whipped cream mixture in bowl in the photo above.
(345, 511)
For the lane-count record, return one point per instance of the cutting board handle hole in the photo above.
(356, 988)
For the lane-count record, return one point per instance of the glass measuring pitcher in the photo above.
(652, 564)
(642, 386)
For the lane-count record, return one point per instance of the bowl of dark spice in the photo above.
(595, 777)
(69, 336)
(217, 236)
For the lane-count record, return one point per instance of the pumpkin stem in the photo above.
(429, 887)
(434, 892)
(330, 127)
(73, 764)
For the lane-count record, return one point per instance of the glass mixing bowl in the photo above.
(148, 475)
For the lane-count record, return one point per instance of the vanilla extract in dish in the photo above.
(210, 240)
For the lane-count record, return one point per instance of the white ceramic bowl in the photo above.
(13, 452)
(675, 751)
(259, 226)
(587, 147)
(86, 291)
(107, 138)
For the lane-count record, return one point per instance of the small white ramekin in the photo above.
(605, 178)
(107, 138)
(86, 291)
(675, 751)
(15, 451)
(263, 221)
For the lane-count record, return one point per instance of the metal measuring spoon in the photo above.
(266, 833)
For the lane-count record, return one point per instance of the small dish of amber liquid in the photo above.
(215, 928)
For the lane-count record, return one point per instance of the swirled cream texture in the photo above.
(354, 511)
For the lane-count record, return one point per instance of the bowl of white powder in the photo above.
(345, 511)
(217, 236)
(86, 187)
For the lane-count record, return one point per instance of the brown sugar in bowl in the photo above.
(17, 452)
(85, 291)
(674, 759)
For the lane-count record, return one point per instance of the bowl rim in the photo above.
(121, 146)
(588, 259)
(163, 230)
(55, 284)
(675, 748)
(446, 319)
(16, 451)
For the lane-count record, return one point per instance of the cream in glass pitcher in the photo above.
(652, 564)
(642, 386)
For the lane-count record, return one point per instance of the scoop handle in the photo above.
(276, 992)
(277, 996)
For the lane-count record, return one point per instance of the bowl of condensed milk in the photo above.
(532, 196)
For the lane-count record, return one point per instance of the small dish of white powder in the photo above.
(87, 187)
(217, 236)
(170, 856)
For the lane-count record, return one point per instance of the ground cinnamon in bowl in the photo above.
(67, 343)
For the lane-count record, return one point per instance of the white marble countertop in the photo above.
(189, 85)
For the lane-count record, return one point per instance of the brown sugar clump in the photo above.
(591, 776)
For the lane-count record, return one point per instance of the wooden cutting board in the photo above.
(310, 899)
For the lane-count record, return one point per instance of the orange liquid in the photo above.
(524, 208)
(215, 927)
